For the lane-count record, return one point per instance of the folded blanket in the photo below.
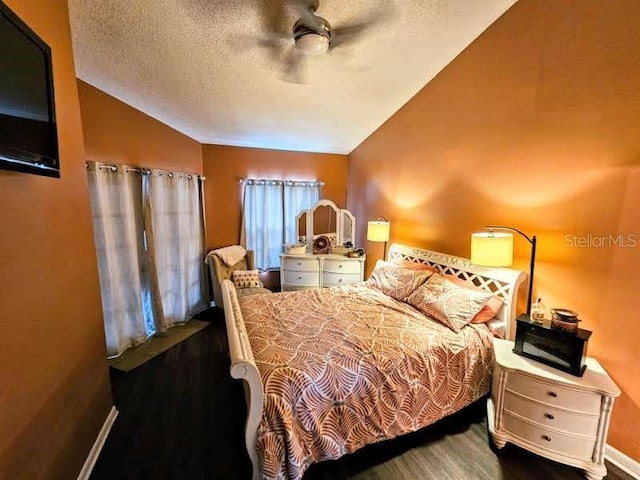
(230, 255)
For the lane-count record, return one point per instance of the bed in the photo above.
(328, 371)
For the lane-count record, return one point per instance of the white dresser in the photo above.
(549, 412)
(299, 272)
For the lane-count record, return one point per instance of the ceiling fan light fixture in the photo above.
(312, 44)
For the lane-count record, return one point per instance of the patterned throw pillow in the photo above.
(452, 305)
(395, 280)
(490, 310)
(246, 279)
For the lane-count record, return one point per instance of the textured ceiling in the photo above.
(197, 65)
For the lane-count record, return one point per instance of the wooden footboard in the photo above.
(243, 366)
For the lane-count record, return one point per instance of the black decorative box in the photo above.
(556, 348)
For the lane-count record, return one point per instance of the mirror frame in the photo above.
(298, 216)
(341, 214)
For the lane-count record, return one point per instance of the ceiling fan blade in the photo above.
(343, 35)
(343, 60)
(293, 66)
(272, 42)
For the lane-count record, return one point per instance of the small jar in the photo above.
(537, 311)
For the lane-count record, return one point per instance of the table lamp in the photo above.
(495, 249)
(378, 231)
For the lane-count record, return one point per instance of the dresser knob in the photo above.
(549, 416)
(552, 394)
(299, 264)
(546, 437)
(299, 278)
(340, 280)
(339, 266)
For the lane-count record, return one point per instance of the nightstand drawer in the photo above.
(300, 264)
(554, 394)
(547, 416)
(341, 266)
(336, 279)
(565, 445)
(300, 278)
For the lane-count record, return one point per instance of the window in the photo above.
(149, 234)
(269, 216)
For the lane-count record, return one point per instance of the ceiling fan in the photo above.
(313, 35)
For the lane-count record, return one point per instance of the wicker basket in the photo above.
(296, 250)
(564, 319)
(569, 327)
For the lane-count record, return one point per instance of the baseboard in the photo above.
(622, 461)
(87, 468)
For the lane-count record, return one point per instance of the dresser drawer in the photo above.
(548, 416)
(300, 264)
(341, 266)
(300, 278)
(293, 288)
(553, 394)
(336, 279)
(565, 445)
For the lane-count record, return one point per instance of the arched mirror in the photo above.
(326, 219)
(348, 227)
(301, 226)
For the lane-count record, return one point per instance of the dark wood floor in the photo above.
(182, 417)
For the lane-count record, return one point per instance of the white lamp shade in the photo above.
(492, 249)
(378, 231)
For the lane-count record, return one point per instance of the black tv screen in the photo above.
(28, 134)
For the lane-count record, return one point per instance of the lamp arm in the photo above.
(533, 262)
(499, 227)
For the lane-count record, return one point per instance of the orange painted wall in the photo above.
(115, 132)
(54, 381)
(225, 166)
(535, 125)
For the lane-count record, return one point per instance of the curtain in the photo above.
(298, 196)
(269, 216)
(174, 228)
(262, 221)
(116, 196)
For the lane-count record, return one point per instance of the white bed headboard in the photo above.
(502, 282)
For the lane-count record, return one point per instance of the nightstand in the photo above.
(551, 413)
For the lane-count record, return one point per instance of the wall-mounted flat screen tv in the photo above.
(28, 134)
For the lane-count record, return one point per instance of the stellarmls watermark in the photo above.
(622, 240)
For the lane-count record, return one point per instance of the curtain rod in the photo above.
(144, 171)
(280, 182)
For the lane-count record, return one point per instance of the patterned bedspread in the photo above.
(346, 367)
